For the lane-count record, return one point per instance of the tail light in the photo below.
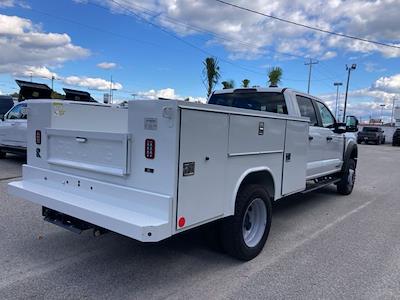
(38, 137)
(150, 148)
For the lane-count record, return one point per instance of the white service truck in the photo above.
(165, 166)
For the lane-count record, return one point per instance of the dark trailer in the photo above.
(75, 95)
(33, 90)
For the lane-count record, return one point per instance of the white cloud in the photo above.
(91, 83)
(388, 84)
(6, 3)
(13, 3)
(25, 47)
(247, 35)
(366, 102)
(167, 93)
(373, 67)
(107, 65)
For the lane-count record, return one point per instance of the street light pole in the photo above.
(352, 67)
(382, 106)
(337, 84)
(391, 118)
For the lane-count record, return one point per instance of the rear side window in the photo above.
(327, 118)
(370, 129)
(268, 101)
(307, 109)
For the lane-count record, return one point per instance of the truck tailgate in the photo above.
(102, 152)
(139, 214)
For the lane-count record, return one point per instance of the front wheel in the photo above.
(244, 234)
(346, 183)
(2, 154)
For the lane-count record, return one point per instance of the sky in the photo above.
(156, 48)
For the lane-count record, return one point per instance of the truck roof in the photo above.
(252, 89)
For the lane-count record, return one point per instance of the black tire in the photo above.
(359, 142)
(212, 235)
(378, 141)
(2, 154)
(232, 227)
(384, 141)
(346, 183)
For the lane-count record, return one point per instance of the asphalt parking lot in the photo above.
(321, 245)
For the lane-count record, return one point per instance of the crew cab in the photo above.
(371, 134)
(162, 167)
(13, 128)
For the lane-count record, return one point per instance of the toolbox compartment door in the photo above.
(100, 152)
(203, 156)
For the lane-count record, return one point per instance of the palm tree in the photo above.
(210, 74)
(228, 84)
(245, 83)
(275, 76)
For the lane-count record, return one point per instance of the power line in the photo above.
(309, 27)
(131, 12)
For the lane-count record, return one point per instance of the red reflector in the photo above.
(38, 137)
(150, 148)
(181, 222)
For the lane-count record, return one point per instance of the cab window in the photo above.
(263, 101)
(18, 112)
(328, 121)
(307, 109)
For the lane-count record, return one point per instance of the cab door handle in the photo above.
(310, 138)
(329, 138)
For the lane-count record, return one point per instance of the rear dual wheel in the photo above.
(244, 234)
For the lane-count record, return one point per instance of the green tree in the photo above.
(245, 83)
(228, 84)
(55, 95)
(274, 76)
(211, 74)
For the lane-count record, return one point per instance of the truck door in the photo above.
(333, 148)
(13, 129)
(315, 138)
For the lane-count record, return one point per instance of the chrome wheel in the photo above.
(351, 177)
(254, 222)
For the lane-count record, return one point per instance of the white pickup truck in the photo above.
(13, 130)
(162, 167)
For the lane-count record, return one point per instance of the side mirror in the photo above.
(340, 128)
(351, 124)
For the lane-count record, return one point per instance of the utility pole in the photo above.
(111, 86)
(337, 84)
(52, 82)
(391, 118)
(349, 69)
(310, 63)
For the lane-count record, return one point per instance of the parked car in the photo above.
(13, 127)
(396, 138)
(163, 167)
(371, 134)
(6, 103)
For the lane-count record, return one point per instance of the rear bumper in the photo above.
(138, 214)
